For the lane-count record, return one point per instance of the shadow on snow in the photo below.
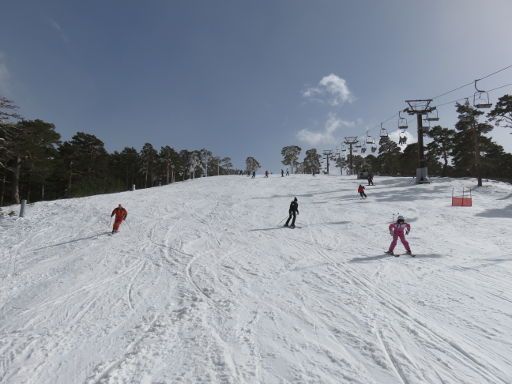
(71, 241)
(378, 257)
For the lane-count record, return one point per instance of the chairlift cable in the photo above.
(462, 98)
(494, 73)
(472, 82)
(451, 91)
(502, 86)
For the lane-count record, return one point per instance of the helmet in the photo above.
(295, 199)
(400, 218)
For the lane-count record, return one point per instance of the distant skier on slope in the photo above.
(266, 173)
(292, 212)
(282, 173)
(253, 174)
(397, 231)
(120, 214)
(360, 190)
(370, 179)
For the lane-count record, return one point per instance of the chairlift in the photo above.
(358, 145)
(481, 98)
(369, 139)
(432, 116)
(402, 139)
(363, 148)
(374, 148)
(383, 132)
(402, 122)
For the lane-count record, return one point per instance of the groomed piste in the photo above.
(202, 284)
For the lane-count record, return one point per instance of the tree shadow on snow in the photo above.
(411, 194)
(96, 235)
(509, 196)
(505, 213)
(290, 196)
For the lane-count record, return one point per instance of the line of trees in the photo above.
(310, 163)
(463, 151)
(36, 165)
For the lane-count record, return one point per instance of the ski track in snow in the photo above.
(203, 285)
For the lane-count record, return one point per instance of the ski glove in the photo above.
(407, 232)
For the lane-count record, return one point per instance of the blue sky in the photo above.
(245, 78)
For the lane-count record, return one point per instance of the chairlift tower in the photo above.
(350, 141)
(419, 108)
(327, 153)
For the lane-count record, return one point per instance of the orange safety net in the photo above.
(462, 202)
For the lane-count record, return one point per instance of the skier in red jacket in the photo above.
(360, 190)
(397, 231)
(120, 214)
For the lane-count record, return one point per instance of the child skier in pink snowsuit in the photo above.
(397, 231)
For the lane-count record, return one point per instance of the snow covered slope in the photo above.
(202, 285)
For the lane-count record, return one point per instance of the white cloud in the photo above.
(331, 89)
(4, 76)
(327, 135)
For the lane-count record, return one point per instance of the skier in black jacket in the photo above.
(293, 212)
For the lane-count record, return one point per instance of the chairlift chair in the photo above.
(358, 145)
(402, 122)
(374, 148)
(363, 148)
(481, 99)
(383, 132)
(432, 116)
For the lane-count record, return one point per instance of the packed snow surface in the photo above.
(203, 285)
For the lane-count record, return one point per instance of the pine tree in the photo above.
(251, 164)
(389, 156)
(30, 145)
(148, 157)
(226, 164)
(312, 161)
(341, 163)
(466, 149)
(501, 114)
(85, 162)
(441, 146)
(125, 166)
(291, 156)
(167, 156)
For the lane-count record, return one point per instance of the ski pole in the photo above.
(282, 220)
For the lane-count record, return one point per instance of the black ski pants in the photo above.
(291, 214)
(363, 195)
